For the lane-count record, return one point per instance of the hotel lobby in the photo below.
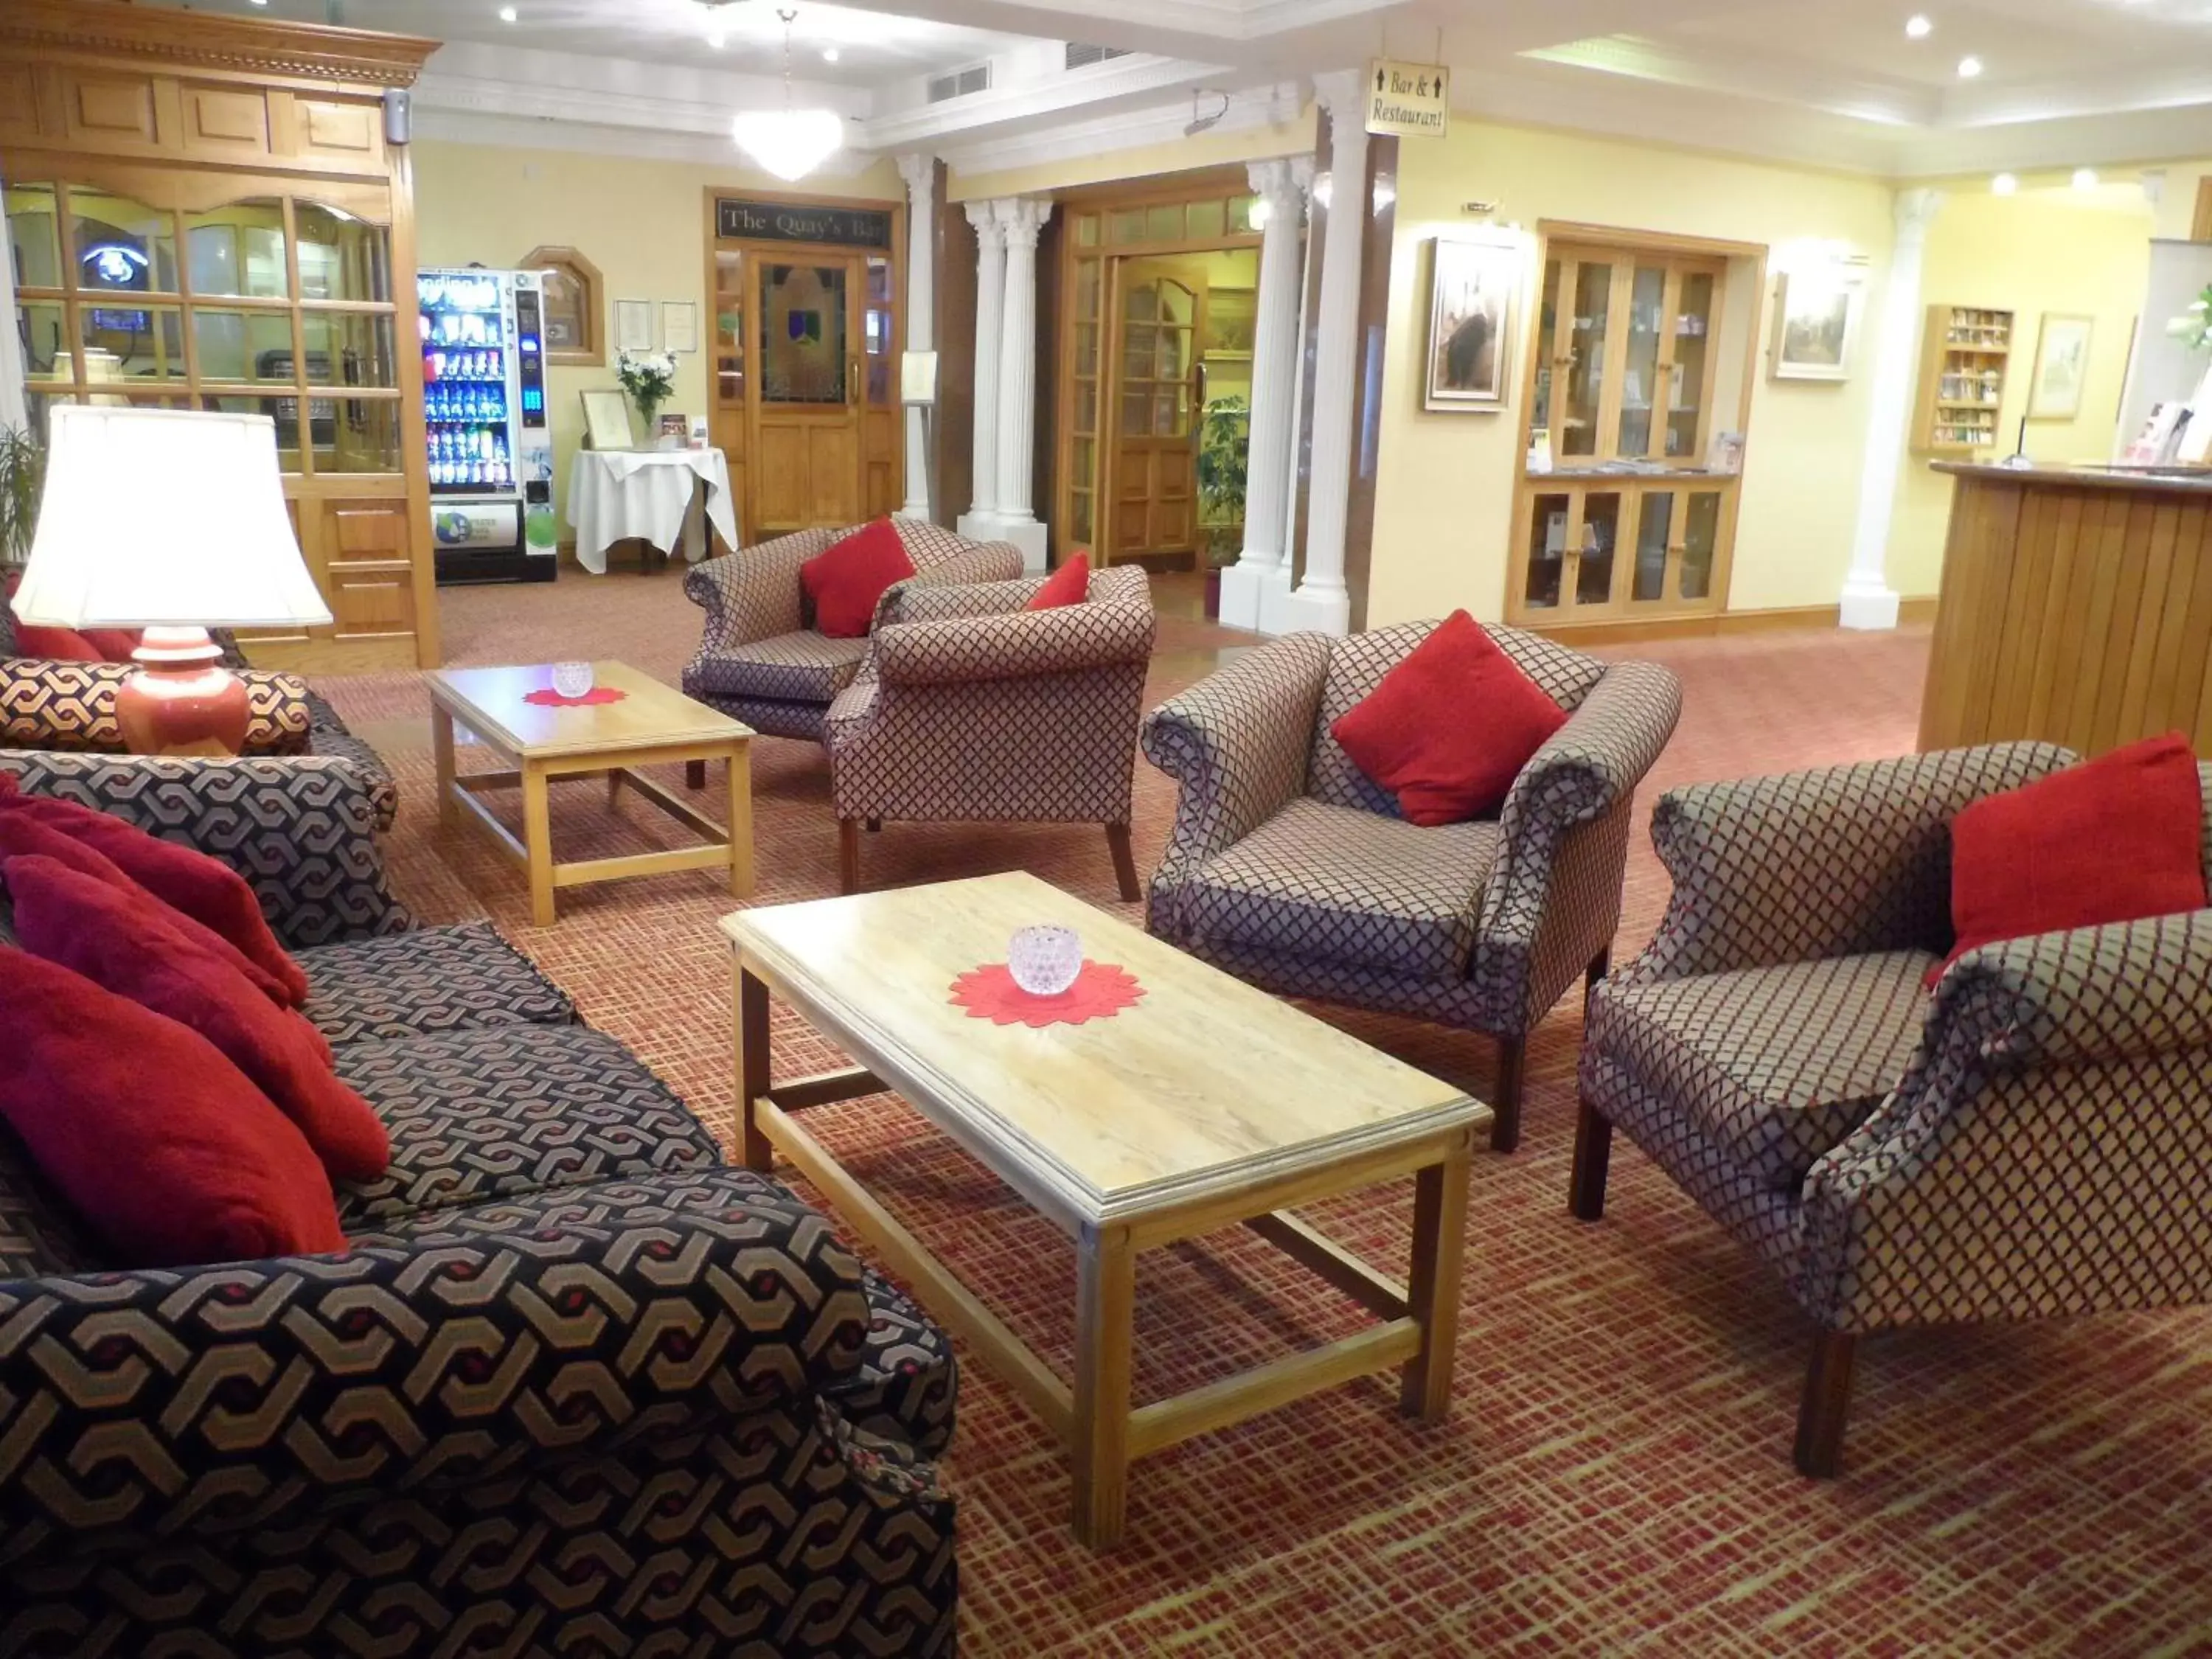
(1204, 831)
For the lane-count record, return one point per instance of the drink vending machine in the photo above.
(491, 450)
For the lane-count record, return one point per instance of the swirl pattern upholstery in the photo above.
(575, 1386)
(1290, 868)
(969, 707)
(760, 659)
(49, 704)
(2029, 1142)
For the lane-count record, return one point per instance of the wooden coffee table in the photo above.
(652, 726)
(1207, 1104)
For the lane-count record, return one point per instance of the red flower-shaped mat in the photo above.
(549, 698)
(1100, 992)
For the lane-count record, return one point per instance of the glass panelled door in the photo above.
(808, 389)
(1153, 416)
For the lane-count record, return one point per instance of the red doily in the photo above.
(1100, 992)
(549, 698)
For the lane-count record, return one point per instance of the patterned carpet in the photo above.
(1615, 1476)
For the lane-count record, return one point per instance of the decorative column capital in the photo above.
(1274, 183)
(920, 172)
(1021, 217)
(1302, 175)
(1915, 211)
(1343, 94)
(990, 230)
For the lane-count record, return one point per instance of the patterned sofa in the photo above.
(577, 1385)
(2031, 1140)
(968, 707)
(1288, 868)
(760, 661)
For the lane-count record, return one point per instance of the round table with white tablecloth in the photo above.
(615, 494)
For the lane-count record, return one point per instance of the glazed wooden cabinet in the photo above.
(206, 214)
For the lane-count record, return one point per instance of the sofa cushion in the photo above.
(511, 1110)
(1776, 1064)
(1343, 885)
(848, 579)
(787, 668)
(435, 979)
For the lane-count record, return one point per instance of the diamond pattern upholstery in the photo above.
(787, 668)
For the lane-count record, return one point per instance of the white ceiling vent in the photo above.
(958, 84)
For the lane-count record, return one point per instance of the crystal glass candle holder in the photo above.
(1044, 961)
(572, 679)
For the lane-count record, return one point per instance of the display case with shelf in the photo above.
(1965, 356)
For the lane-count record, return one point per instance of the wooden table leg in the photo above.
(537, 840)
(1105, 1307)
(754, 1075)
(442, 746)
(741, 821)
(1432, 1288)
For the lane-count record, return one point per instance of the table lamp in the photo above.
(172, 520)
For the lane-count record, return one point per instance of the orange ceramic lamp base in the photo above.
(182, 701)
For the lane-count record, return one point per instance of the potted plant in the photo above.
(23, 471)
(649, 377)
(1224, 447)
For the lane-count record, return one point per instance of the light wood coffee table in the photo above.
(652, 726)
(1207, 1104)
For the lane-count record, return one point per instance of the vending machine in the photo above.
(491, 451)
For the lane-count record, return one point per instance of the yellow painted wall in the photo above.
(2038, 251)
(2176, 207)
(1208, 149)
(1444, 495)
(642, 223)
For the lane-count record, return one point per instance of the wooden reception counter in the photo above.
(2077, 606)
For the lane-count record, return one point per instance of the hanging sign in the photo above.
(795, 221)
(1411, 100)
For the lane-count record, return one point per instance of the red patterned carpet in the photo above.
(1615, 1476)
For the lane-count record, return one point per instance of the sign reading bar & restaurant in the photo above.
(1411, 100)
(797, 221)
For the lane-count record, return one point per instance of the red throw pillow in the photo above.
(161, 1142)
(125, 946)
(113, 644)
(847, 579)
(2114, 839)
(21, 834)
(1449, 729)
(205, 889)
(1069, 585)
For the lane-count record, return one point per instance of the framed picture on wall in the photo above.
(2062, 365)
(606, 419)
(1474, 292)
(1816, 324)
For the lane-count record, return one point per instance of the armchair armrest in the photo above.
(49, 704)
(2129, 990)
(1238, 745)
(915, 601)
(1023, 645)
(477, 1345)
(1832, 862)
(300, 828)
(984, 564)
(754, 593)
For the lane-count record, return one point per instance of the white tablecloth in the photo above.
(614, 493)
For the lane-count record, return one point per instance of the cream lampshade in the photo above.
(171, 520)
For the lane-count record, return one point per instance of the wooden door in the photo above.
(807, 391)
(1153, 416)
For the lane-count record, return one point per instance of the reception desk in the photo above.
(2077, 606)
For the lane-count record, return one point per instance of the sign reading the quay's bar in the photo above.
(1411, 100)
(796, 221)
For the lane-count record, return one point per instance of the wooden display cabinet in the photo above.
(1965, 355)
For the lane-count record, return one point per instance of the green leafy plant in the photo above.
(23, 471)
(2193, 328)
(1224, 447)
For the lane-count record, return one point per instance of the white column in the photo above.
(1320, 601)
(1868, 601)
(1275, 596)
(1275, 394)
(919, 172)
(1020, 219)
(981, 522)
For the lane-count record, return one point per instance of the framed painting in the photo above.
(1816, 324)
(2062, 365)
(1473, 294)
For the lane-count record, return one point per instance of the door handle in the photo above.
(852, 382)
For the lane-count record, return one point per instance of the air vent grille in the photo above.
(1082, 57)
(958, 84)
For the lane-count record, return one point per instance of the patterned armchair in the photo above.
(969, 707)
(1289, 867)
(2030, 1141)
(760, 661)
(575, 1384)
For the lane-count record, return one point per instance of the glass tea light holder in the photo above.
(572, 679)
(1045, 961)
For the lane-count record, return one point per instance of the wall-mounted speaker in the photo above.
(398, 115)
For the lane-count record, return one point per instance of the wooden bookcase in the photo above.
(1965, 354)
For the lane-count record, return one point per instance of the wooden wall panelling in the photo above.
(225, 124)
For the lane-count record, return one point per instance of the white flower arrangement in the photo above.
(649, 377)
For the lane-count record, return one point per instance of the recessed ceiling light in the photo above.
(506, 14)
(715, 39)
(1919, 26)
(2085, 178)
(260, 2)
(830, 54)
(1969, 67)
(2004, 185)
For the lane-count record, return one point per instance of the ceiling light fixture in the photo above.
(1969, 67)
(1919, 26)
(789, 142)
(2085, 178)
(1202, 122)
(507, 14)
(2004, 185)
(830, 54)
(716, 40)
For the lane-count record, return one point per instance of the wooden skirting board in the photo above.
(1917, 611)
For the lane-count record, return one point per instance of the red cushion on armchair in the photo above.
(155, 1138)
(126, 945)
(205, 889)
(2114, 839)
(1069, 585)
(1449, 729)
(849, 578)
